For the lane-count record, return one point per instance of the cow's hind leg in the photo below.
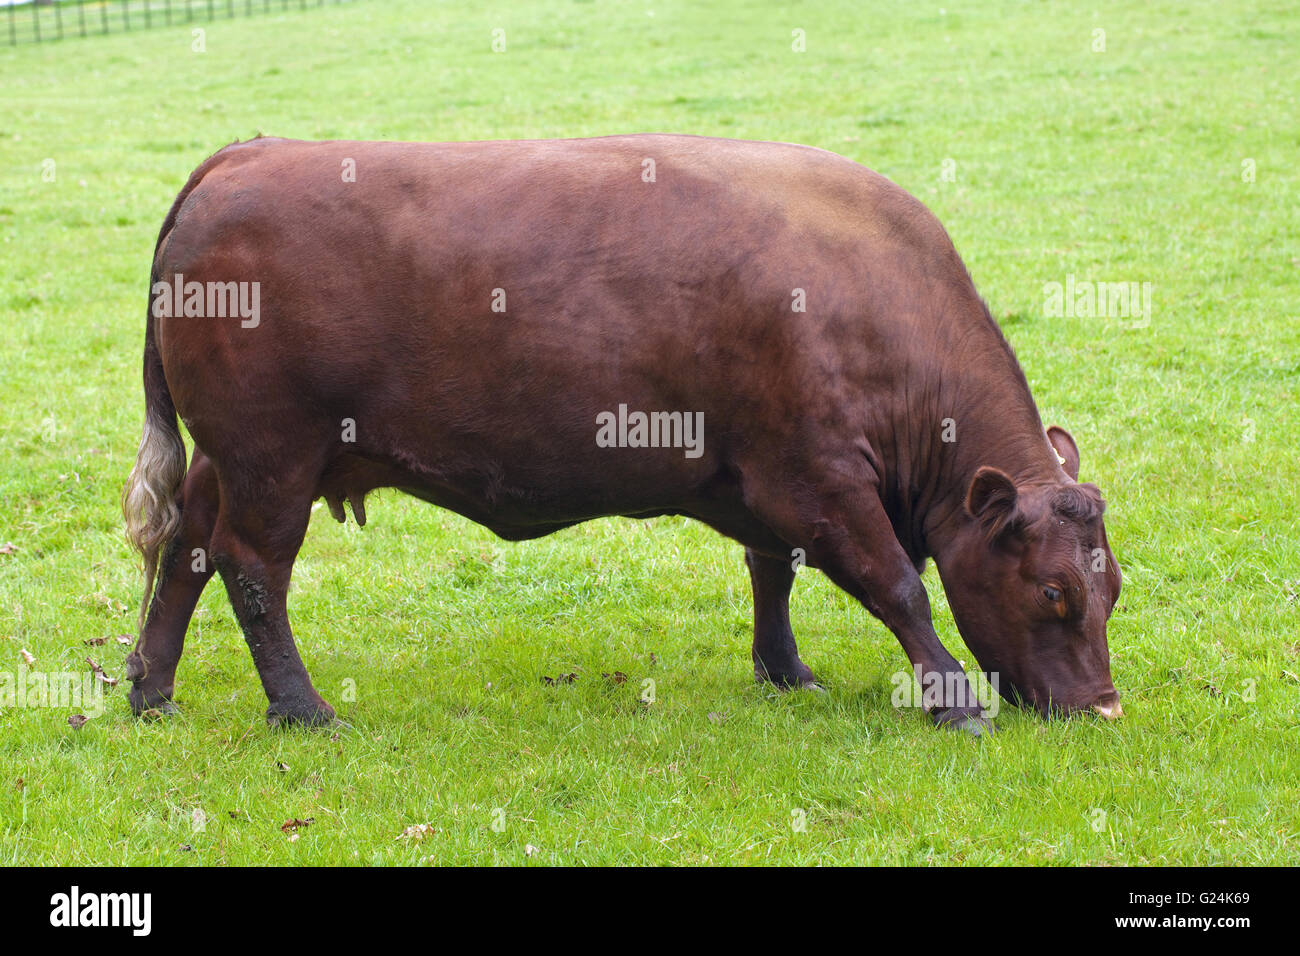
(776, 658)
(184, 569)
(258, 533)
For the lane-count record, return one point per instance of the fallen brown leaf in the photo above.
(100, 675)
(288, 826)
(77, 721)
(27, 656)
(418, 831)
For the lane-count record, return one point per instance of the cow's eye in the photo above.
(1052, 594)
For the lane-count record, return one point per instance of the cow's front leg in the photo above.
(849, 537)
(776, 658)
(870, 564)
(898, 598)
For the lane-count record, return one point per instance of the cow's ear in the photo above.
(992, 500)
(1066, 450)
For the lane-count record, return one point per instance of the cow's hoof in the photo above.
(297, 715)
(785, 687)
(966, 720)
(151, 705)
(811, 685)
(801, 679)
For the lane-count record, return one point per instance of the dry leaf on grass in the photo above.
(100, 675)
(418, 831)
(562, 679)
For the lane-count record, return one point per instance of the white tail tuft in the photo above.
(149, 499)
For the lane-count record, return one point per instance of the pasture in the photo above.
(1162, 150)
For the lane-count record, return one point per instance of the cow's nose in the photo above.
(1108, 706)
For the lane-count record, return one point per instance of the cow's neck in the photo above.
(984, 408)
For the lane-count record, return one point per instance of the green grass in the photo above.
(1117, 165)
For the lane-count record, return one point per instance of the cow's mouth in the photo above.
(1108, 706)
(1105, 704)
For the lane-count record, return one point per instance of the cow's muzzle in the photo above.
(1107, 705)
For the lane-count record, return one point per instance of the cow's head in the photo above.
(1031, 581)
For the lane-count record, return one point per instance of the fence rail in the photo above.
(39, 21)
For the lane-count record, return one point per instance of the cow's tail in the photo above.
(149, 499)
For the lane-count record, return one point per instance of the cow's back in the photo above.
(511, 292)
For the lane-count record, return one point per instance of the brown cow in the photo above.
(769, 338)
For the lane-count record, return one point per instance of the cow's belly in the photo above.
(516, 512)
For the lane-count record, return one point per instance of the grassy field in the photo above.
(1168, 157)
